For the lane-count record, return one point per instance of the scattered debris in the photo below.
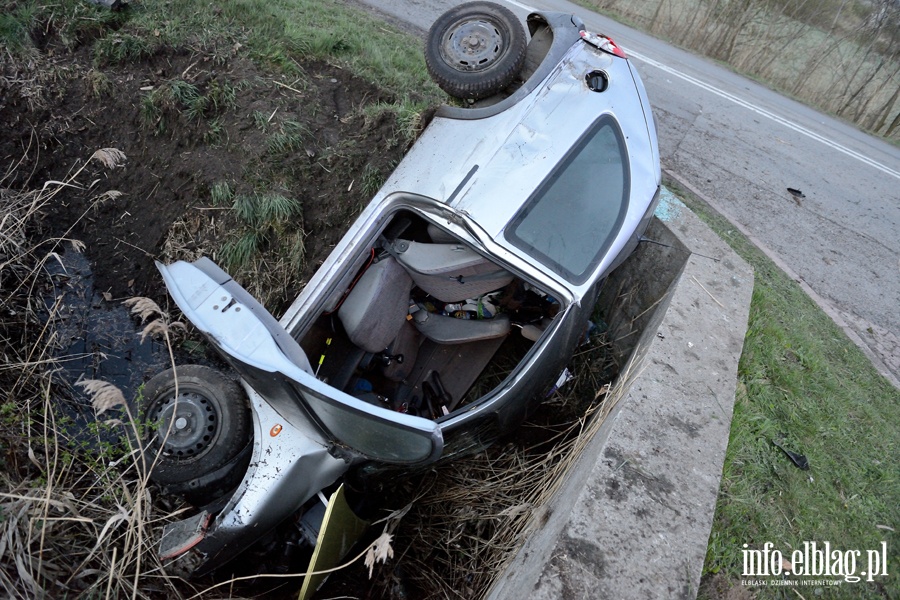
(799, 460)
(797, 194)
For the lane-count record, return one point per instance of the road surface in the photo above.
(741, 146)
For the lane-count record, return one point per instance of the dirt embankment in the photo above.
(191, 123)
(303, 137)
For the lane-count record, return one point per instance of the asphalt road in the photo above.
(741, 146)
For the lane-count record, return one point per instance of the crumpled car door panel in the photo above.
(274, 365)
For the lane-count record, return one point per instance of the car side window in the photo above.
(569, 222)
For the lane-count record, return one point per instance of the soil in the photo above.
(59, 108)
(720, 587)
(54, 118)
(57, 111)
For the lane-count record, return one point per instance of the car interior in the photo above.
(427, 325)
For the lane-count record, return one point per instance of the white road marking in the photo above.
(525, 7)
(740, 102)
(763, 112)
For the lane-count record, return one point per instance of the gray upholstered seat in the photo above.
(449, 272)
(406, 344)
(449, 330)
(376, 307)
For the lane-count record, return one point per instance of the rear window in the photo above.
(377, 433)
(573, 216)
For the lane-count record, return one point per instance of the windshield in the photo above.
(573, 216)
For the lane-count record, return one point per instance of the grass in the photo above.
(288, 139)
(799, 376)
(162, 107)
(265, 247)
(372, 180)
(280, 34)
(221, 194)
(284, 31)
(121, 48)
(13, 30)
(409, 114)
(24, 23)
(78, 523)
(802, 382)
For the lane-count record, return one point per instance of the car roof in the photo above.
(489, 167)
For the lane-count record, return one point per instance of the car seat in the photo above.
(449, 272)
(376, 307)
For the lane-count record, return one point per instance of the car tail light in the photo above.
(603, 42)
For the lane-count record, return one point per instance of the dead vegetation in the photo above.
(471, 516)
(842, 56)
(74, 522)
(78, 515)
(239, 173)
(467, 529)
(86, 523)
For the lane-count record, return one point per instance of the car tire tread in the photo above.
(478, 84)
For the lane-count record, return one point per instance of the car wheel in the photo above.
(195, 431)
(475, 50)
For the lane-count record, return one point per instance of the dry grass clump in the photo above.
(82, 522)
(77, 526)
(77, 517)
(27, 77)
(259, 240)
(467, 527)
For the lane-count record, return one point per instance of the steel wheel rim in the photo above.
(187, 425)
(472, 45)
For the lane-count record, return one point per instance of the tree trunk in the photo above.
(885, 111)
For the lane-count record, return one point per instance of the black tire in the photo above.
(193, 435)
(475, 50)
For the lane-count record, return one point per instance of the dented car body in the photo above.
(491, 237)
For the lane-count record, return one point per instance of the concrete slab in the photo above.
(632, 519)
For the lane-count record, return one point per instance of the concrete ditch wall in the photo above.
(633, 518)
(635, 297)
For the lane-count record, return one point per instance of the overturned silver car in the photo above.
(491, 238)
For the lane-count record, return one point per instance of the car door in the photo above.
(275, 366)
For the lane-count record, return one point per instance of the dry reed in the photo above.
(477, 512)
(76, 521)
